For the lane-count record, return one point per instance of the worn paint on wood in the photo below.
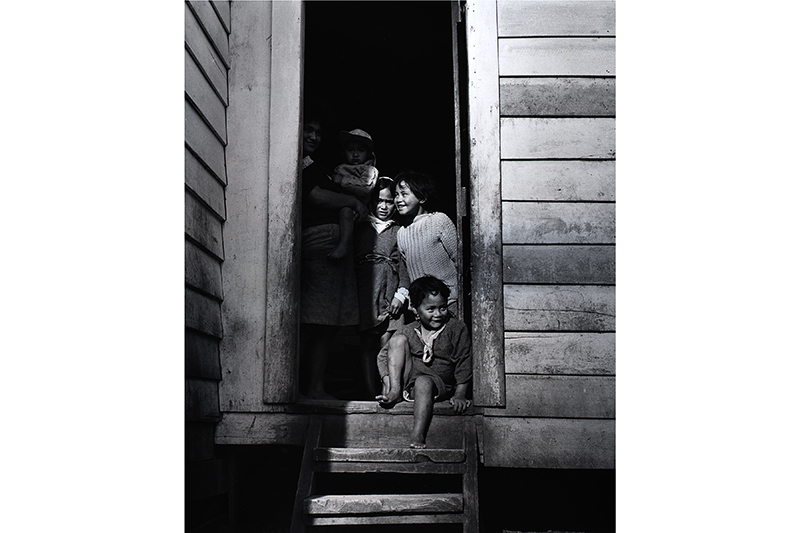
(558, 223)
(548, 443)
(555, 18)
(203, 142)
(383, 503)
(201, 225)
(244, 271)
(200, 93)
(204, 184)
(201, 356)
(202, 399)
(555, 264)
(558, 397)
(202, 271)
(558, 138)
(201, 49)
(557, 57)
(587, 97)
(212, 25)
(559, 180)
(202, 313)
(485, 204)
(559, 308)
(560, 353)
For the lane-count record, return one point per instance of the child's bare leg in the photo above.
(346, 219)
(424, 392)
(398, 355)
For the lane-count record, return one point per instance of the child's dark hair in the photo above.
(382, 183)
(426, 286)
(420, 184)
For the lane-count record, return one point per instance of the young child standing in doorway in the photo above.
(429, 242)
(357, 177)
(381, 278)
(428, 360)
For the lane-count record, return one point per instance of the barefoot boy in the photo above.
(427, 360)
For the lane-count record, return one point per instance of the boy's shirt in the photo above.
(452, 351)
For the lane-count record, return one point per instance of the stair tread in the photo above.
(389, 455)
(374, 504)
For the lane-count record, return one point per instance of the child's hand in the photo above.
(459, 404)
(395, 307)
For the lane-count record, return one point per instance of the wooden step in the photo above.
(373, 504)
(451, 518)
(390, 455)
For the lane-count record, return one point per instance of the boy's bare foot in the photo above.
(388, 399)
(418, 445)
(338, 252)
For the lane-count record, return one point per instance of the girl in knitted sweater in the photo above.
(428, 243)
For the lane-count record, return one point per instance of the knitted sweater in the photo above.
(429, 245)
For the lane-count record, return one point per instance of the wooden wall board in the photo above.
(202, 399)
(560, 353)
(262, 428)
(203, 142)
(212, 25)
(557, 138)
(206, 479)
(587, 97)
(548, 443)
(202, 271)
(200, 93)
(245, 270)
(555, 18)
(564, 181)
(202, 313)
(204, 184)
(558, 397)
(223, 9)
(388, 431)
(202, 226)
(198, 441)
(201, 49)
(485, 203)
(201, 356)
(558, 223)
(557, 57)
(556, 264)
(559, 308)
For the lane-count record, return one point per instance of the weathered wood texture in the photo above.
(201, 400)
(558, 223)
(564, 181)
(561, 353)
(558, 97)
(202, 141)
(387, 431)
(399, 519)
(261, 428)
(223, 9)
(201, 356)
(203, 313)
(485, 204)
(283, 210)
(202, 270)
(202, 226)
(548, 443)
(557, 57)
(555, 18)
(384, 503)
(553, 138)
(556, 264)
(204, 184)
(245, 268)
(558, 397)
(215, 31)
(559, 308)
(389, 455)
(200, 93)
(202, 50)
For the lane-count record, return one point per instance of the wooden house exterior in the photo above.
(539, 145)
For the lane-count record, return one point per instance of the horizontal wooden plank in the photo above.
(206, 479)
(558, 397)
(201, 49)
(559, 180)
(557, 264)
(199, 441)
(342, 407)
(201, 225)
(383, 503)
(548, 443)
(560, 353)
(388, 431)
(202, 400)
(203, 313)
(558, 223)
(557, 138)
(215, 31)
(202, 271)
(262, 428)
(201, 356)
(204, 143)
(389, 455)
(585, 97)
(559, 308)
(223, 9)
(384, 520)
(557, 57)
(203, 97)
(354, 467)
(532, 18)
(204, 184)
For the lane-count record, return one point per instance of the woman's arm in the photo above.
(325, 199)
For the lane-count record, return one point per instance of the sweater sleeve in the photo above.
(448, 236)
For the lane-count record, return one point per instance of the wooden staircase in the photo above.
(355, 509)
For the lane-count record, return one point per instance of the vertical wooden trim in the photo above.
(455, 19)
(485, 205)
(283, 204)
